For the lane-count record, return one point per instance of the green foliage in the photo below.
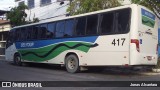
(84, 6)
(17, 15)
(153, 5)
(35, 20)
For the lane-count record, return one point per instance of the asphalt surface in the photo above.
(45, 72)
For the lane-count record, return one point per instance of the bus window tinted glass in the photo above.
(23, 33)
(107, 23)
(35, 32)
(69, 28)
(12, 35)
(60, 29)
(51, 30)
(29, 32)
(42, 31)
(80, 28)
(92, 25)
(123, 20)
(10, 38)
(18, 34)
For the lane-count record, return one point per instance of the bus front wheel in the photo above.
(17, 60)
(72, 63)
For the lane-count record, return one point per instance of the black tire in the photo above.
(17, 60)
(72, 63)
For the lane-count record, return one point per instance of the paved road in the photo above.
(43, 72)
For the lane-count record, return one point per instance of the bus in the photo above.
(121, 36)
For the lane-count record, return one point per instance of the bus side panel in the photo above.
(105, 50)
(9, 52)
(112, 50)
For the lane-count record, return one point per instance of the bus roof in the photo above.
(80, 15)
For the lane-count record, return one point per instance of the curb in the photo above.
(139, 72)
(149, 73)
(152, 72)
(156, 70)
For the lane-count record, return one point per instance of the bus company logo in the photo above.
(148, 14)
(148, 18)
(29, 44)
(6, 84)
(149, 32)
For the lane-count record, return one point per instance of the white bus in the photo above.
(120, 36)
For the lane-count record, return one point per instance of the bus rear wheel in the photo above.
(17, 60)
(72, 63)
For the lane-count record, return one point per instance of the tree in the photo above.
(84, 6)
(17, 15)
(35, 20)
(153, 5)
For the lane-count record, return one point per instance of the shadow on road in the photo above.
(95, 70)
(41, 66)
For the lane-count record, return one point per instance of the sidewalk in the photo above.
(125, 71)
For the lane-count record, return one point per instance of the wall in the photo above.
(4, 29)
(47, 11)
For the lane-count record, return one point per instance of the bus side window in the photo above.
(60, 29)
(106, 25)
(42, 31)
(23, 33)
(18, 34)
(92, 23)
(69, 28)
(13, 35)
(10, 38)
(123, 20)
(81, 26)
(51, 30)
(35, 32)
(29, 32)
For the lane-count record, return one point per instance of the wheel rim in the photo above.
(18, 60)
(71, 63)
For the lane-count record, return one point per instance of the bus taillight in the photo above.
(136, 41)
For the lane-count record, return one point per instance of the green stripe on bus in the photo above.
(147, 21)
(34, 54)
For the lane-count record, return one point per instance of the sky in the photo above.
(6, 4)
